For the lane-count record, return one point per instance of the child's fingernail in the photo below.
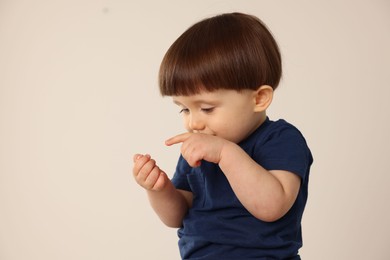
(136, 157)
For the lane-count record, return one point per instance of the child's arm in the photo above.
(267, 195)
(170, 204)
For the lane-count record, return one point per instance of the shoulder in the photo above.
(284, 135)
(285, 130)
(274, 131)
(282, 126)
(279, 145)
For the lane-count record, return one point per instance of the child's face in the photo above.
(225, 113)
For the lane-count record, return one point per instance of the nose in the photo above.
(195, 122)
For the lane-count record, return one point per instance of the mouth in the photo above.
(205, 133)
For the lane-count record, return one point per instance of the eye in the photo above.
(207, 110)
(184, 110)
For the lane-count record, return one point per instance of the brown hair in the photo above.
(229, 51)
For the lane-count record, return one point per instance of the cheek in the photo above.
(225, 127)
(234, 129)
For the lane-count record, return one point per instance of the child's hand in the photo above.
(196, 147)
(148, 174)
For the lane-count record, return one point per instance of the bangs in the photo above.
(224, 52)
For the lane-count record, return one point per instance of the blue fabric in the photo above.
(219, 227)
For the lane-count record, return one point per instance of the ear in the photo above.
(263, 98)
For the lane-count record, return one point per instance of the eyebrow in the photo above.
(198, 102)
(177, 103)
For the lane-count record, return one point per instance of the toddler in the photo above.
(241, 182)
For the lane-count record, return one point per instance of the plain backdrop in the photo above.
(79, 96)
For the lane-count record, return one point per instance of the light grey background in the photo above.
(78, 97)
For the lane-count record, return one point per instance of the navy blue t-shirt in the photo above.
(219, 227)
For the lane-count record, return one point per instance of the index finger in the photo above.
(177, 139)
(138, 156)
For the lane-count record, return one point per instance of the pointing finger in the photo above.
(178, 139)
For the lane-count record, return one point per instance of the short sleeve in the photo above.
(179, 179)
(284, 149)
